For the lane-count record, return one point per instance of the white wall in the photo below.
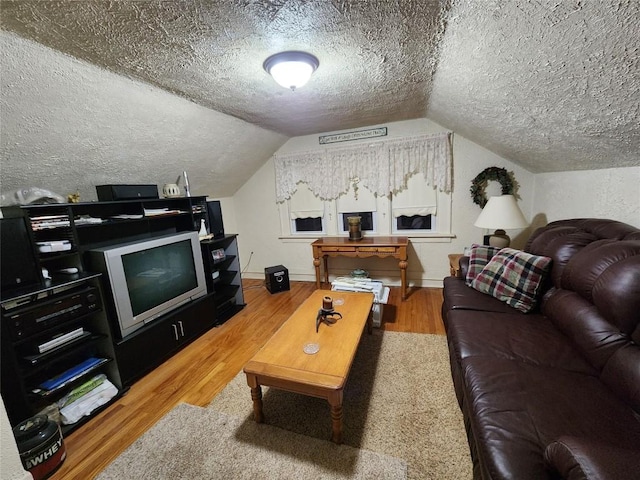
(258, 224)
(609, 193)
(10, 464)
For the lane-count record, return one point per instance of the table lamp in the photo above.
(501, 213)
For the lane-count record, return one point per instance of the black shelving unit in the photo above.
(29, 320)
(86, 226)
(223, 273)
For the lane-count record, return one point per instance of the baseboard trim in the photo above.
(418, 283)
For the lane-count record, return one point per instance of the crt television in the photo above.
(149, 278)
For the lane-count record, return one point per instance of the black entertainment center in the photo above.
(53, 326)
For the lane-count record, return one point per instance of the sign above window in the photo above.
(355, 135)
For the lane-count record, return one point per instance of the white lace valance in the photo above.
(383, 167)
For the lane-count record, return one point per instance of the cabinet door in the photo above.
(148, 347)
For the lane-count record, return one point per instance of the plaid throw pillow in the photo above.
(479, 256)
(513, 277)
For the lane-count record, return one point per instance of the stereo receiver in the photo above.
(37, 316)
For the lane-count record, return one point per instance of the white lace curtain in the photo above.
(383, 167)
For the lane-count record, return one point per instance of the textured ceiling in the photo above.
(211, 52)
(550, 85)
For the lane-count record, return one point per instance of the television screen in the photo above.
(159, 274)
(148, 278)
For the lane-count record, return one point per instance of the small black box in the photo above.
(276, 278)
(107, 193)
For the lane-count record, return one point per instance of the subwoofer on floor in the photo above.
(276, 278)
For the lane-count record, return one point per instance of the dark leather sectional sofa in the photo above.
(554, 393)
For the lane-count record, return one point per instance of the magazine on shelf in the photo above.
(71, 374)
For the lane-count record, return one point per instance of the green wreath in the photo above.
(479, 184)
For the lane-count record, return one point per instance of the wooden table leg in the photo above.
(335, 401)
(403, 278)
(256, 396)
(316, 263)
(326, 268)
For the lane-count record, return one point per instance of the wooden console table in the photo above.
(367, 247)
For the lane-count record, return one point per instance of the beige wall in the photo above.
(10, 464)
(609, 193)
(258, 222)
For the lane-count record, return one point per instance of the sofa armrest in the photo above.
(464, 267)
(580, 459)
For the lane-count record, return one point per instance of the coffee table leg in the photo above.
(335, 401)
(256, 396)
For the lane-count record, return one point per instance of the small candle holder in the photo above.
(355, 232)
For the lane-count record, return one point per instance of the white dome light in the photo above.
(291, 69)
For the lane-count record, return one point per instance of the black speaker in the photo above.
(108, 193)
(214, 211)
(276, 278)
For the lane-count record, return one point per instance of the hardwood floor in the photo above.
(198, 372)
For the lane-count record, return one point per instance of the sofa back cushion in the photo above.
(597, 305)
(560, 243)
(562, 239)
(607, 274)
(580, 320)
(622, 374)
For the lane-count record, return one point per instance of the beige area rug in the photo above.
(399, 401)
(197, 443)
(401, 420)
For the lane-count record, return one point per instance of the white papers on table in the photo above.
(350, 284)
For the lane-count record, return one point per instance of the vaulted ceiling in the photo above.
(549, 85)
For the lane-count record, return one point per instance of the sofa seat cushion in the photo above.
(459, 296)
(528, 338)
(517, 409)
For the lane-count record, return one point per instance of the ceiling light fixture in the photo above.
(291, 69)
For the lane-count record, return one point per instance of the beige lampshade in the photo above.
(501, 212)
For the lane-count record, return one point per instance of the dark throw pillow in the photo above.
(479, 256)
(514, 277)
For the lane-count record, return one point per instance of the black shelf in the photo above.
(35, 317)
(73, 381)
(128, 358)
(56, 352)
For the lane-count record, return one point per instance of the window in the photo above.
(414, 222)
(313, 224)
(417, 211)
(358, 202)
(306, 211)
(415, 207)
(366, 221)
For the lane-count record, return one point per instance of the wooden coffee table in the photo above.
(282, 362)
